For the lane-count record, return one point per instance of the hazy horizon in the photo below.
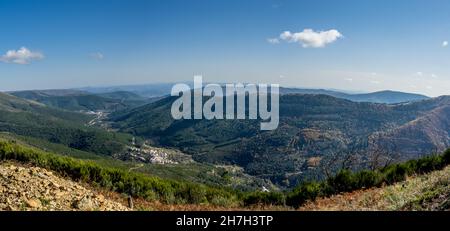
(349, 45)
(173, 83)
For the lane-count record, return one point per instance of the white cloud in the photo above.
(97, 56)
(419, 73)
(310, 38)
(434, 76)
(445, 43)
(349, 80)
(21, 56)
(375, 82)
(273, 40)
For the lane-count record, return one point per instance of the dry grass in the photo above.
(423, 192)
(416, 193)
(412, 194)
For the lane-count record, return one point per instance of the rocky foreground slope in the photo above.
(33, 188)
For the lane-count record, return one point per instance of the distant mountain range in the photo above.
(389, 97)
(126, 97)
(144, 90)
(163, 89)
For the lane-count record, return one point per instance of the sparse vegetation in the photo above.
(346, 181)
(429, 191)
(177, 192)
(265, 198)
(135, 184)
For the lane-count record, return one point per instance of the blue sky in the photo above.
(383, 44)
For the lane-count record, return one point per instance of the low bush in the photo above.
(345, 180)
(264, 198)
(446, 157)
(135, 184)
(171, 191)
(306, 191)
(395, 173)
(367, 179)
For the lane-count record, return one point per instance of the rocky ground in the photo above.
(29, 188)
(33, 188)
(154, 155)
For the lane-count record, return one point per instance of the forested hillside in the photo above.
(317, 135)
(32, 119)
(83, 101)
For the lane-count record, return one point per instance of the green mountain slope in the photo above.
(317, 134)
(29, 118)
(81, 101)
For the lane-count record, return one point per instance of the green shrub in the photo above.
(367, 179)
(395, 173)
(306, 191)
(135, 184)
(428, 164)
(264, 198)
(446, 157)
(345, 180)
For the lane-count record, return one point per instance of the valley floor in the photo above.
(424, 192)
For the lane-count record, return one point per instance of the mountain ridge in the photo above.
(74, 100)
(163, 89)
